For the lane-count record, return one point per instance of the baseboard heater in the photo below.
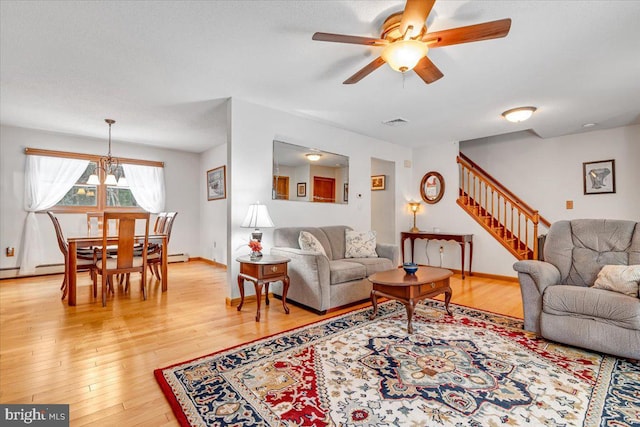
(42, 270)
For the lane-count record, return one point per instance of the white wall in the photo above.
(543, 172)
(181, 177)
(253, 129)
(213, 213)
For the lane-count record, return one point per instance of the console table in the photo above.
(462, 239)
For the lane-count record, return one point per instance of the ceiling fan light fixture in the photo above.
(313, 157)
(404, 55)
(520, 114)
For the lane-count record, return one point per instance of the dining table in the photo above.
(96, 240)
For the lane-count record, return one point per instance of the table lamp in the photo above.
(257, 217)
(414, 206)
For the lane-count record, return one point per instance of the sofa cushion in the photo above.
(373, 265)
(619, 278)
(335, 239)
(342, 271)
(309, 242)
(605, 306)
(287, 237)
(360, 244)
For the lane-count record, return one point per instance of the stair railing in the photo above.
(513, 222)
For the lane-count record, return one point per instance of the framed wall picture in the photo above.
(378, 182)
(302, 189)
(217, 183)
(345, 192)
(599, 177)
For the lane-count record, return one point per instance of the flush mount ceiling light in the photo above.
(313, 157)
(520, 114)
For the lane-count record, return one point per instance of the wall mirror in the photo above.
(432, 187)
(307, 174)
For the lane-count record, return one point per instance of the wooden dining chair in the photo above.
(84, 255)
(154, 258)
(125, 261)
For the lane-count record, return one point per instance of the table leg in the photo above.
(402, 248)
(73, 265)
(164, 255)
(241, 287)
(413, 246)
(258, 287)
(470, 256)
(462, 245)
(285, 289)
(410, 306)
(447, 299)
(374, 303)
(266, 293)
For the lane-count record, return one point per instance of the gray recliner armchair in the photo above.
(558, 298)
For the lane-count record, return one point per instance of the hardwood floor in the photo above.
(101, 360)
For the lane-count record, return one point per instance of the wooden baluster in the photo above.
(536, 219)
(526, 233)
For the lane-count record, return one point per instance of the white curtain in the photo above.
(47, 180)
(147, 186)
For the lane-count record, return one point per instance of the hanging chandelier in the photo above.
(109, 165)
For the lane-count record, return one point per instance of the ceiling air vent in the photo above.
(396, 122)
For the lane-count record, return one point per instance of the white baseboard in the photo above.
(42, 270)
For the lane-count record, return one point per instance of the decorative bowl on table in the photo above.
(410, 268)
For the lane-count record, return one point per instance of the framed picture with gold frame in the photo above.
(378, 182)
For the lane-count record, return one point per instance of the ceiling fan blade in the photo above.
(365, 71)
(415, 15)
(471, 33)
(427, 70)
(341, 38)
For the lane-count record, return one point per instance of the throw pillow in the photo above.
(360, 244)
(619, 278)
(309, 242)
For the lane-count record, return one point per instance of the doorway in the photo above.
(383, 202)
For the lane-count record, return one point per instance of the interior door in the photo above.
(324, 189)
(281, 185)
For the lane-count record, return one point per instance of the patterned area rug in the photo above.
(473, 369)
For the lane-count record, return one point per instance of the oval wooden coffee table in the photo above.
(409, 289)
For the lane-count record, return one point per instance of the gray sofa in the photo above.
(324, 282)
(559, 302)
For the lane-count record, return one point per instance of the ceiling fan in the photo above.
(406, 41)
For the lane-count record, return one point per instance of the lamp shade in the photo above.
(111, 180)
(257, 217)
(93, 180)
(403, 55)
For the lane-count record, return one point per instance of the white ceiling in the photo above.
(162, 69)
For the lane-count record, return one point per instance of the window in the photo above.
(85, 197)
(82, 194)
(120, 195)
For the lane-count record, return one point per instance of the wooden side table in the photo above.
(262, 271)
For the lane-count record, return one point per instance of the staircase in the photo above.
(508, 219)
